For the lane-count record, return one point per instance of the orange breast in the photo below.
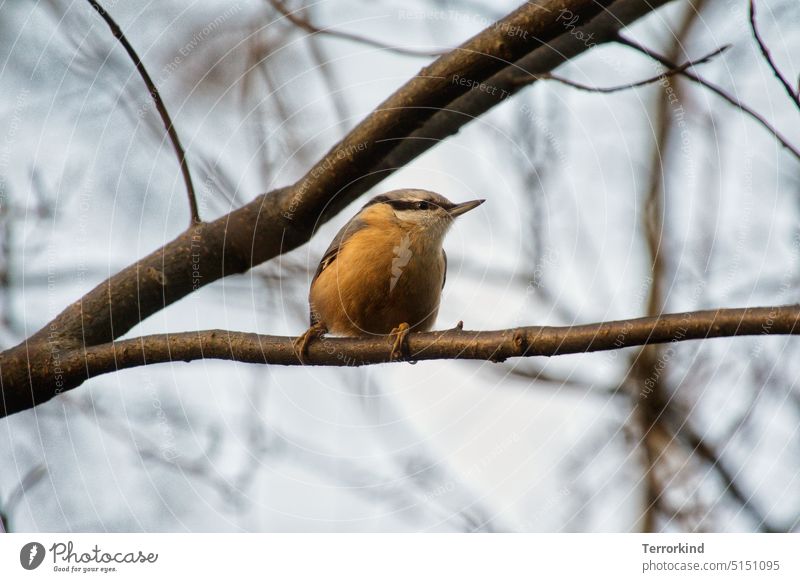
(379, 280)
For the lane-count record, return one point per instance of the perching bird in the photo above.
(385, 269)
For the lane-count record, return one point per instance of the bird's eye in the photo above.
(422, 205)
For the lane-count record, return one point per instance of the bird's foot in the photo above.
(301, 344)
(400, 345)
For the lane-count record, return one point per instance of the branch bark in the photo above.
(71, 368)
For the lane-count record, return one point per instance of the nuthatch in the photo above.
(385, 269)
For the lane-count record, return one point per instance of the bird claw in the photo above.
(301, 344)
(400, 345)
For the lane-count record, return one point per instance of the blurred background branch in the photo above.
(160, 107)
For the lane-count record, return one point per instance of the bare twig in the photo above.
(160, 106)
(793, 95)
(294, 17)
(715, 89)
(668, 73)
(538, 377)
(328, 77)
(74, 366)
(729, 479)
(27, 483)
(200, 467)
(654, 443)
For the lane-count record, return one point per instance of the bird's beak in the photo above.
(460, 209)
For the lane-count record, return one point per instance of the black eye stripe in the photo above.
(414, 204)
(408, 204)
(403, 204)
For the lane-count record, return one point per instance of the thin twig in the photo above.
(729, 479)
(304, 24)
(793, 95)
(28, 482)
(715, 89)
(147, 449)
(538, 377)
(160, 106)
(648, 81)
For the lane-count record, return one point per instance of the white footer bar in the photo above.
(401, 557)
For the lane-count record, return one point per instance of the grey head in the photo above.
(422, 208)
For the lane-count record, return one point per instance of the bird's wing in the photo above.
(444, 272)
(348, 230)
(344, 233)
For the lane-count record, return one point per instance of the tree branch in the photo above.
(729, 479)
(71, 368)
(656, 441)
(160, 107)
(304, 24)
(614, 89)
(752, 113)
(794, 95)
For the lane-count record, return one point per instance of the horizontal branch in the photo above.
(76, 366)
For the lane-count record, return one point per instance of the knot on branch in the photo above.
(156, 275)
(520, 341)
